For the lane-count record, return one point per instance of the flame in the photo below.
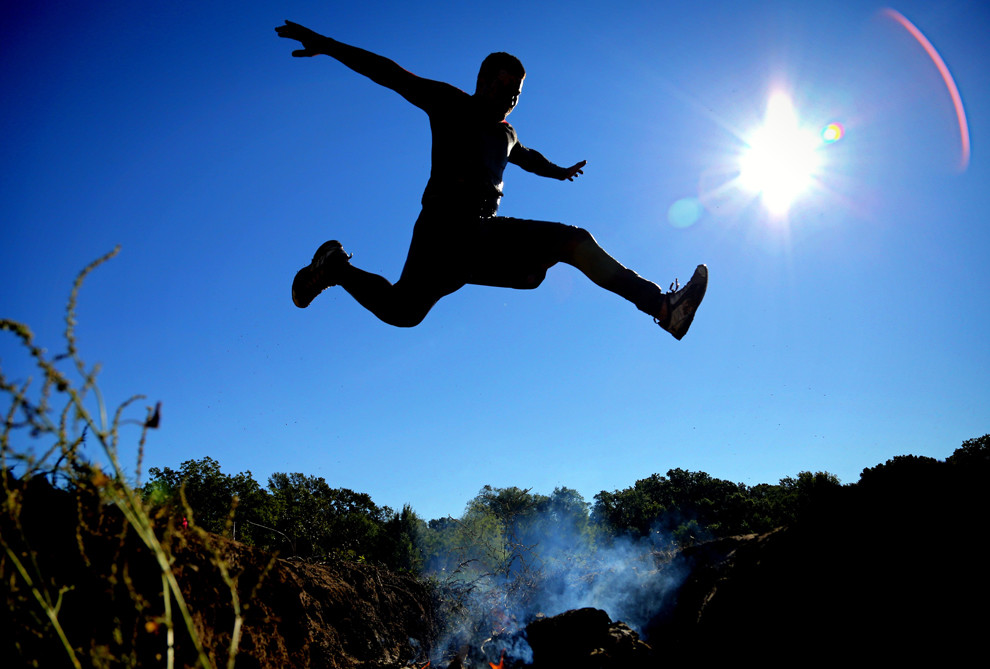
(501, 662)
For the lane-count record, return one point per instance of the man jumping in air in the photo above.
(458, 239)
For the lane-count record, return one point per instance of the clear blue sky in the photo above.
(847, 332)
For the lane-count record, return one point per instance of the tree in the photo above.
(566, 516)
(319, 521)
(810, 491)
(398, 546)
(973, 453)
(505, 531)
(210, 496)
(688, 506)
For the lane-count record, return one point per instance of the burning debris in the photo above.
(579, 639)
(585, 639)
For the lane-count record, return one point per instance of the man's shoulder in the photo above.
(437, 96)
(443, 89)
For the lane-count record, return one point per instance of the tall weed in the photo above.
(52, 434)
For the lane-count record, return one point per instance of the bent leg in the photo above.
(390, 302)
(427, 276)
(404, 303)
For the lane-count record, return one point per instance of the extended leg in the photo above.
(674, 311)
(517, 253)
(584, 253)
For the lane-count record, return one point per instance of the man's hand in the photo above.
(312, 41)
(574, 170)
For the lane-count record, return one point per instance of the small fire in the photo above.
(501, 662)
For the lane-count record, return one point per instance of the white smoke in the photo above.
(497, 583)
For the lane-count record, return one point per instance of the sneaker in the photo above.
(323, 272)
(682, 304)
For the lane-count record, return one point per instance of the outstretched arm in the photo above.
(379, 69)
(533, 161)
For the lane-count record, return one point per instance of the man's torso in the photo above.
(470, 151)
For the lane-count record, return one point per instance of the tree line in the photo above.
(296, 514)
(503, 530)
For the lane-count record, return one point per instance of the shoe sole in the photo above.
(683, 314)
(303, 274)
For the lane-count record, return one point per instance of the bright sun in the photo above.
(781, 159)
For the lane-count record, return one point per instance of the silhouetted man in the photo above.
(458, 239)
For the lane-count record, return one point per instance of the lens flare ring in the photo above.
(950, 83)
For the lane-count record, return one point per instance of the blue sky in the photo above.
(849, 331)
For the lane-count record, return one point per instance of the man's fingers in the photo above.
(575, 170)
(301, 34)
(292, 30)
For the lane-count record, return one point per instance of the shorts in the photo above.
(451, 248)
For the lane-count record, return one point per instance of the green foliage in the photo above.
(320, 520)
(507, 531)
(691, 506)
(297, 515)
(398, 545)
(210, 495)
(807, 493)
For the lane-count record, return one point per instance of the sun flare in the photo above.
(781, 158)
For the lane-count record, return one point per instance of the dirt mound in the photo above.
(294, 614)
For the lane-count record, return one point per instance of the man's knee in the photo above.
(575, 238)
(405, 316)
(408, 305)
(532, 280)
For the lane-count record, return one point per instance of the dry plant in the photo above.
(43, 435)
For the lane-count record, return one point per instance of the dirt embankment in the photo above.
(294, 614)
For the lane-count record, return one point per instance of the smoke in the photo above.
(628, 579)
(495, 575)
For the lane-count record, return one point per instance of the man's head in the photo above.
(500, 82)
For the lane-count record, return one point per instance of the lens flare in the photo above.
(833, 132)
(685, 212)
(950, 83)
